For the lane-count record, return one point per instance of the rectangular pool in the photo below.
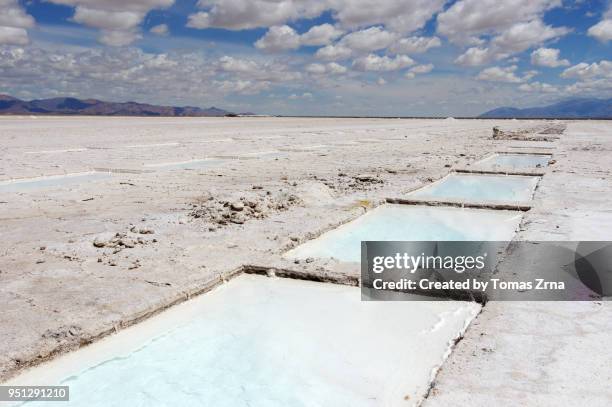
(411, 223)
(188, 165)
(514, 161)
(477, 188)
(259, 341)
(52, 181)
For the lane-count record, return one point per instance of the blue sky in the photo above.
(316, 57)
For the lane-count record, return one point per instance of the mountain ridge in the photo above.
(70, 106)
(575, 108)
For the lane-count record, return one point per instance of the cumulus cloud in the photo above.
(331, 68)
(399, 16)
(279, 38)
(467, 20)
(118, 21)
(602, 30)
(373, 62)
(587, 71)
(284, 38)
(130, 73)
(320, 35)
(538, 87)
(160, 29)
(496, 30)
(13, 23)
(334, 52)
(414, 45)
(516, 39)
(370, 39)
(474, 56)
(500, 74)
(548, 57)
(247, 14)
(418, 69)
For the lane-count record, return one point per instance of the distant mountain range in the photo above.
(72, 106)
(580, 108)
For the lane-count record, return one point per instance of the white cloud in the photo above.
(466, 20)
(13, 23)
(587, 71)
(160, 29)
(419, 69)
(414, 45)
(373, 62)
(13, 36)
(474, 56)
(331, 68)
(118, 20)
(548, 57)
(247, 14)
(231, 64)
(538, 87)
(422, 68)
(334, 52)
(118, 38)
(397, 15)
(602, 30)
(370, 39)
(516, 39)
(320, 35)
(279, 38)
(522, 36)
(499, 74)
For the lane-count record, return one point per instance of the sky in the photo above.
(310, 57)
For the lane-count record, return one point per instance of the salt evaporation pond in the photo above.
(52, 181)
(514, 161)
(188, 165)
(411, 223)
(259, 341)
(478, 188)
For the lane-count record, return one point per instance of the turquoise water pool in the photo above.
(409, 222)
(478, 188)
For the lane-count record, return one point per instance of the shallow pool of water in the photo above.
(52, 181)
(478, 188)
(515, 161)
(259, 341)
(188, 165)
(411, 223)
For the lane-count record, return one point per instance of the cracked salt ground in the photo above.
(267, 341)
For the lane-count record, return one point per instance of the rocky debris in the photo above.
(555, 129)
(120, 241)
(520, 135)
(256, 204)
(345, 183)
(142, 231)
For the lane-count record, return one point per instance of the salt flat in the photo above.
(80, 261)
